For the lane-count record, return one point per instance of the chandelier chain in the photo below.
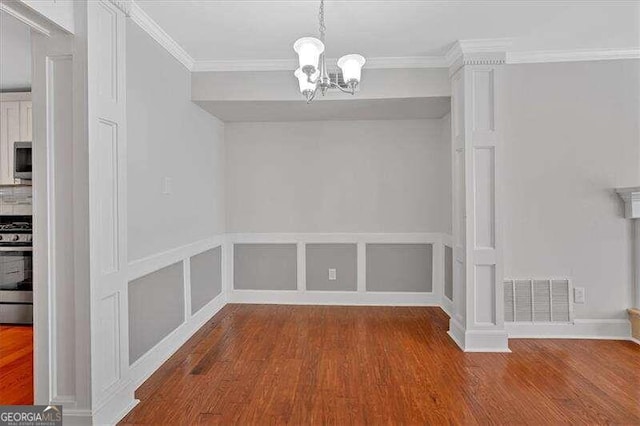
(321, 20)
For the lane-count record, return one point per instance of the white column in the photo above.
(636, 263)
(476, 70)
(111, 390)
(631, 199)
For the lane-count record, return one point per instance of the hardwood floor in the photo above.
(305, 365)
(16, 365)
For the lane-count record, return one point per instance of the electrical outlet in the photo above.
(166, 185)
(332, 274)
(578, 295)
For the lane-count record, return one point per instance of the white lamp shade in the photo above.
(309, 50)
(303, 80)
(351, 66)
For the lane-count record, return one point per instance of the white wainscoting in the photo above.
(148, 363)
(302, 296)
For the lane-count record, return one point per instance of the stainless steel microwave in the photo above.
(22, 160)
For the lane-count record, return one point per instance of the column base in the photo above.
(634, 317)
(478, 340)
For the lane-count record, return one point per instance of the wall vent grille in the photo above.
(537, 300)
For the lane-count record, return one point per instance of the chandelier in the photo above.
(313, 76)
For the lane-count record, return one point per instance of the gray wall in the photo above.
(156, 308)
(572, 135)
(265, 266)
(339, 176)
(169, 136)
(15, 54)
(206, 277)
(341, 257)
(400, 267)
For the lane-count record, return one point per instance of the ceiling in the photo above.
(355, 109)
(243, 30)
(15, 54)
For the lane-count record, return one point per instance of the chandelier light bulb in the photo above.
(303, 81)
(309, 50)
(351, 66)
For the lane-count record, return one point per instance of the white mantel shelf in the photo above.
(631, 198)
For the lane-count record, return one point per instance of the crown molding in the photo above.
(292, 64)
(152, 28)
(463, 52)
(123, 5)
(572, 55)
(477, 52)
(245, 65)
(27, 17)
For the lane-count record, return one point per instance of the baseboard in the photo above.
(478, 340)
(634, 340)
(116, 407)
(295, 297)
(447, 306)
(146, 365)
(605, 329)
(74, 417)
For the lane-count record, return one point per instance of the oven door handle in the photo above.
(16, 248)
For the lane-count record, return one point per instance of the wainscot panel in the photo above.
(265, 266)
(156, 308)
(322, 257)
(206, 277)
(400, 267)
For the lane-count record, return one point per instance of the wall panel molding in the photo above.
(359, 297)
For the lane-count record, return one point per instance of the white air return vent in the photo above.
(537, 301)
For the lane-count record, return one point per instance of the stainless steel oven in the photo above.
(16, 270)
(22, 160)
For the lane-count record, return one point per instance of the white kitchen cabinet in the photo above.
(15, 125)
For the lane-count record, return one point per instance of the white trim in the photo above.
(291, 64)
(152, 28)
(309, 238)
(27, 20)
(614, 329)
(339, 298)
(15, 96)
(476, 46)
(631, 199)
(634, 340)
(447, 306)
(359, 297)
(478, 340)
(141, 267)
(572, 55)
(72, 417)
(460, 48)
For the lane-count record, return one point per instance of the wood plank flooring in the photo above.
(308, 365)
(16, 365)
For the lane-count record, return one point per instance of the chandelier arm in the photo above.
(351, 91)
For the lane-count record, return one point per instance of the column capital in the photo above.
(477, 52)
(631, 198)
